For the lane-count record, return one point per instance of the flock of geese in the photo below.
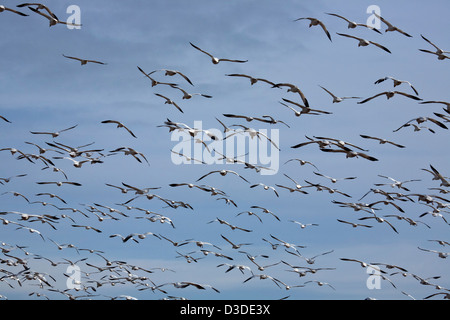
(22, 267)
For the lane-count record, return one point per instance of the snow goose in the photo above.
(364, 42)
(351, 154)
(3, 8)
(338, 99)
(389, 95)
(316, 22)
(4, 119)
(223, 173)
(52, 20)
(155, 82)
(320, 283)
(439, 52)
(302, 162)
(253, 80)
(420, 120)
(304, 109)
(352, 24)
(84, 61)
(234, 245)
(380, 220)
(381, 140)
(54, 134)
(295, 89)
(171, 73)
(214, 59)
(120, 125)
(354, 225)
(391, 27)
(38, 6)
(397, 82)
(187, 95)
(169, 101)
(333, 180)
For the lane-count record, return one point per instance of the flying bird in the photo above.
(266, 187)
(354, 225)
(253, 80)
(439, 52)
(304, 109)
(420, 120)
(396, 183)
(382, 141)
(389, 95)
(352, 24)
(234, 245)
(52, 19)
(340, 143)
(397, 82)
(302, 162)
(223, 173)
(155, 82)
(132, 152)
(169, 101)
(364, 42)
(84, 61)
(438, 176)
(302, 225)
(59, 184)
(337, 99)
(214, 59)
(391, 27)
(3, 8)
(38, 6)
(188, 95)
(351, 154)
(295, 89)
(4, 119)
(168, 72)
(333, 180)
(380, 220)
(119, 125)
(316, 22)
(54, 134)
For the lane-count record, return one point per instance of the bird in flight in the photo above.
(253, 80)
(168, 72)
(39, 6)
(382, 141)
(3, 9)
(54, 134)
(4, 119)
(316, 22)
(169, 101)
(338, 99)
(223, 173)
(389, 95)
(119, 125)
(439, 52)
(84, 61)
(391, 27)
(52, 18)
(397, 82)
(214, 59)
(364, 42)
(352, 24)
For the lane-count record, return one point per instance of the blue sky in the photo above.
(43, 91)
